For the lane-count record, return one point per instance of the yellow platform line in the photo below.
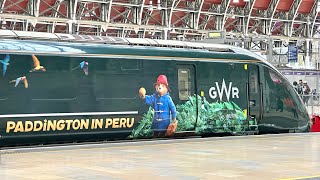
(303, 177)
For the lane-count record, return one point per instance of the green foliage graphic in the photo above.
(144, 128)
(212, 117)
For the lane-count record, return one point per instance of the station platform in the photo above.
(280, 156)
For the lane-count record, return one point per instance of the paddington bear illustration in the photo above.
(163, 106)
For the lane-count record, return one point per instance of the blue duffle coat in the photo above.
(164, 110)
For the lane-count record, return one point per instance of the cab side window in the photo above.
(184, 84)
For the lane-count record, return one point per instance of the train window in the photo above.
(129, 65)
(117, 65)
(275, 78)
(184, 83)
(124, 89)
(253, 81)
(52, 86)
(112, 65)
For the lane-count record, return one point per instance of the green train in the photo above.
(58, 91)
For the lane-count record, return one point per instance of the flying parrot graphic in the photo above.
(5, 63)
(17, 81)
(36, 63)
(84, 65)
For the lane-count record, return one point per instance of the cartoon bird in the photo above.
(36, 64)
(84, 65)
(5, 64)
(17, 81)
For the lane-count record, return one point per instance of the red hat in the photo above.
(162, 79)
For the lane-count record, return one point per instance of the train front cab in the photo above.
(274, 103)
(270, 103)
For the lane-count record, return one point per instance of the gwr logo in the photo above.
(222, 91)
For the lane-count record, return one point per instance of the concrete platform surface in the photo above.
(285, 156)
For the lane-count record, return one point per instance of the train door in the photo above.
(254, 95)
(186, 90)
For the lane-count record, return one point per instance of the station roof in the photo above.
(183, 16)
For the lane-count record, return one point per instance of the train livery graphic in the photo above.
(74, 92)
(216, 117)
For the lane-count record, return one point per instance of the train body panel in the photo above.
(211, 92)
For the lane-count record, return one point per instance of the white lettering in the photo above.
(213, 93)
(223, 90)
(235, 92)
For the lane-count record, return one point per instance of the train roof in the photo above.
(19, 42)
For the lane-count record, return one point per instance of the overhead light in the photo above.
(136, 29)
(150, 8)
(158, 5)
(4, 23)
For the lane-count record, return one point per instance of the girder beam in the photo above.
(250, 7)
(271, 11)
(293, 13)
(314, 19)
(2, 3)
